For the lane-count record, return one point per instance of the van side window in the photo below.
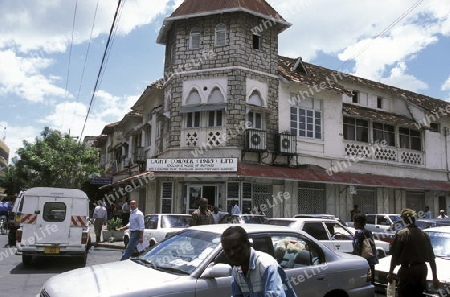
(54, 211)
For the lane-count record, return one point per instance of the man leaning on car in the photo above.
(411, 249)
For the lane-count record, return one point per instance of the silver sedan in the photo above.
(192, 264)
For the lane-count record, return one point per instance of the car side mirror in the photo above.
(37, 211)
(217, 270)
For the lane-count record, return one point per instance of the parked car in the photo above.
(328, 231)
(421, 223)
(192, 263)
(319, 215)
(158, 226)
(440, 240)
(243, 219)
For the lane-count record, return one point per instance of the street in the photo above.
(18, 281)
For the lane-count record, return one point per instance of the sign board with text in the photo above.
(193, 165)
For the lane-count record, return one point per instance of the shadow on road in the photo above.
(48, 265)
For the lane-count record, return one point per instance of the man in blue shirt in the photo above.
(136, 226)
(255, 273)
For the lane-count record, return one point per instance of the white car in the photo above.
(192, 264)
(159, 226)
(328, 231)
(440, 240)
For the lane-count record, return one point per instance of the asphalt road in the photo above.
(19, 281)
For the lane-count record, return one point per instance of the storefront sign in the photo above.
(101, 180)
(197, 165)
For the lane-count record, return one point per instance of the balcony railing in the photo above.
(206, 137)
(384, 153)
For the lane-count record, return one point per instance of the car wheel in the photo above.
(27, 259)
(126, 240)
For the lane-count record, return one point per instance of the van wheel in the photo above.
(27, 259)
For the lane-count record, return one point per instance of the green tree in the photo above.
(55, 160)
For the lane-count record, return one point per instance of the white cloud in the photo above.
(15, 135)
(400, 79)
(446, 85)
(22, 76)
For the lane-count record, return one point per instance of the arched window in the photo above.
(255, 98)
(216, 96)
(221, 35)
(193, 97)
(194, 38)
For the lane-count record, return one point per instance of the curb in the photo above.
(110, 245)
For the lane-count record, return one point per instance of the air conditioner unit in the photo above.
(286, 144)
(255, 140)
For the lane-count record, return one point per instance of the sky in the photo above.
(51, 54)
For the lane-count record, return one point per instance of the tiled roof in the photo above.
(189, 7)
(377, 115)
(317, 75)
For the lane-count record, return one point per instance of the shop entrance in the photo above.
(195, 192)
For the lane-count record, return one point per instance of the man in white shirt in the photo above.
(136, 226)
(126, 212)
(100, 218)
(235, 209)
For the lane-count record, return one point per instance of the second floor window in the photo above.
(193, 119)
(215, 118)
(410, 139)
(148, 136)
(384, 132)
(306, 122)
(194, 38)
(256, 119)
(356, 129)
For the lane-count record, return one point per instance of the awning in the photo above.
(202, 107)
(144, 178)
(318, 174)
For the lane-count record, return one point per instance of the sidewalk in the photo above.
(112, 245)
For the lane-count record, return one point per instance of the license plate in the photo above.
(17, 219)
(51, 250)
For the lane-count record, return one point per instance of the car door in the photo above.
(319, 231)
(341, 238)
(151, 224)
(308, 277)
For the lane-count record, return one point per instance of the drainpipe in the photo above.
(446, 152)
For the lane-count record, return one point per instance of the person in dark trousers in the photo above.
(202, 216)
(361, 233)
(411, 249)
(354, 211)
(136, 226)
(255, 273)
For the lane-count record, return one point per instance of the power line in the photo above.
(87, 52)
(104, 59)
(70, 55)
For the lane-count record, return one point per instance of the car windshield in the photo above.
(440, 242)
(395, 218)
(174, 221)
(182, 253)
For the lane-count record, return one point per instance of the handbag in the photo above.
(366, 249)
(390, 289)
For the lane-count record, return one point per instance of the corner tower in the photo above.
(220, 69)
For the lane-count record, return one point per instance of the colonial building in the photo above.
(231, 120)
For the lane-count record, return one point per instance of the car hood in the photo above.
(441, 264)
(124, 278)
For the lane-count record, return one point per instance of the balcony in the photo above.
(206, 137)
(380, 153)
